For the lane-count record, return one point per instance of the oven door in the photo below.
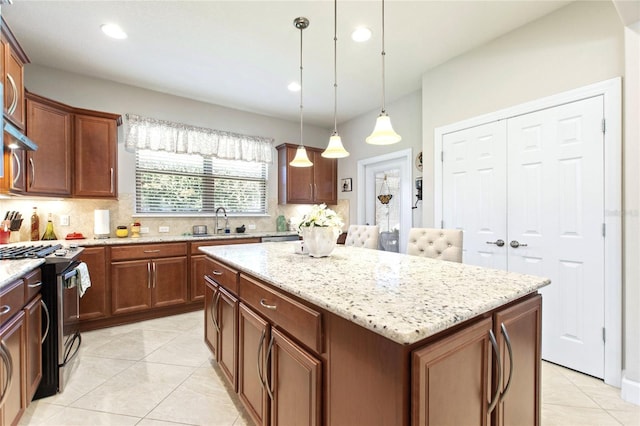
(68, 322)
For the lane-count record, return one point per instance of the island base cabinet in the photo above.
(228, 336)
(295, 383)
(253, 339)
(211, 295)
(451, 379)
(12, 338)
(519, 328)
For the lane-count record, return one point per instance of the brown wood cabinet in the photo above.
(49, 125)
(13, 344)
(211, 316)
(306, 185)
(158, 278)
(95, 303)
(228, 336)
(13, 61)
(96, 155)
(33, 327)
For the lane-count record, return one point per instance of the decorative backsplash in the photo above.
(81, 216)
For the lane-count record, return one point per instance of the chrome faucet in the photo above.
(226, 219)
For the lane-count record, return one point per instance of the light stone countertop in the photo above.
(403, 298)
(10, 270)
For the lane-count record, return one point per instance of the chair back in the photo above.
(444, 244)
(363, 236)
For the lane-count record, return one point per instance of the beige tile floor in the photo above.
(159, 373)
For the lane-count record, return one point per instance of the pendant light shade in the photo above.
(301, 159)
(335, 149)
(383, 133)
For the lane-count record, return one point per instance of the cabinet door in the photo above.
(13, 87)
(520, 388)
(325, 177)
(295, 382)
(196, 282)
(14, 166)
(49, 168)
(95, 157)
(95, 302)
(33, 320)
(130, 286)
(450, 379)
(211, 317)
(228, 359)
(297, 181)
(253, 337)
(13, 340)
(169, 281)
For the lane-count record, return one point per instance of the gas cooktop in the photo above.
(52, 253)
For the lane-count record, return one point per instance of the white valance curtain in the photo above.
(161, 135)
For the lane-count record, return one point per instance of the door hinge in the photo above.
(604, 125)
(604, 336)
(604, 229)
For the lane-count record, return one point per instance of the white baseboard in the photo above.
(630, 390)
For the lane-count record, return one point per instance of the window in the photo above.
(183, 184)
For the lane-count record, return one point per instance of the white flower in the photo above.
(319, 215)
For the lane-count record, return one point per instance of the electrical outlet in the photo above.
(144, 229)
(163, 229)
(64, 220)
(252, 226)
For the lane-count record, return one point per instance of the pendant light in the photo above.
(335, 149)
(301, 159)
(383, 133)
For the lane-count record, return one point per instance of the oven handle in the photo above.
(46, 311)
(68, 355)
(6, 358)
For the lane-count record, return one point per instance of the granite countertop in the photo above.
(403, 298)
(10, 270)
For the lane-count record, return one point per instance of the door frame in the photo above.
(611, 90)
(405, 158)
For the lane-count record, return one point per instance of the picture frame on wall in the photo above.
(346, 185)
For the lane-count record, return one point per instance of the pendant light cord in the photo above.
(383, 55)
(301, 87)
(335, 67)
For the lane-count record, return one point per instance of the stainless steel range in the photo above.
(61, 317)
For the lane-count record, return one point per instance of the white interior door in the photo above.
(556, 214)
(475, 191)
(538, 179)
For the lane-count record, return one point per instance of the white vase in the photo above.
(320, 241)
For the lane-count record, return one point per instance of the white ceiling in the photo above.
(242, 54)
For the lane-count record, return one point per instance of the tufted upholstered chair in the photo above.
(444, 244)
(363, 236)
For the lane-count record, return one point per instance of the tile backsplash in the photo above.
(81, 216)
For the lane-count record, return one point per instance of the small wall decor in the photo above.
(419, 161)
(346, 185)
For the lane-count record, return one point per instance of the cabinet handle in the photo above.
(33, 172)
(152, 251)
(112, 183)
(217, 273)
(214, 310)
(269, 349)
(5, 309)
(260, 345)
(36, 285)
(148, 274)
(14, 89)
(264, 304)
(8, 362)
(494, 400)
(46, 312)
(155, 273)
(311, 190)
(507, 340)
(18, 167)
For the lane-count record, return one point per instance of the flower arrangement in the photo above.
(319, 215)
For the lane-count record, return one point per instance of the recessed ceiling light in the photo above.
(361, 34)
(113, 31)
(294, 86)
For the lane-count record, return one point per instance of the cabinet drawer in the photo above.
(298, 320)
(148, 251)
(223, 275)
(196, 246)
(33, 284)
(11, 300)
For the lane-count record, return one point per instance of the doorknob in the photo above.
(499, 243)
(516, 244)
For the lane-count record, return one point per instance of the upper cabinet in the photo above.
(13, 60)
(306, 185)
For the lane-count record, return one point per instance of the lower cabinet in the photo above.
(211, 327)
(12, 369)
(486, 373)
(34, 338)
(94, 304)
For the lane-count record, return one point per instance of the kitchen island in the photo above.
(373, 338)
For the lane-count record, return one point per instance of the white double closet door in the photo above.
(528, 191)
